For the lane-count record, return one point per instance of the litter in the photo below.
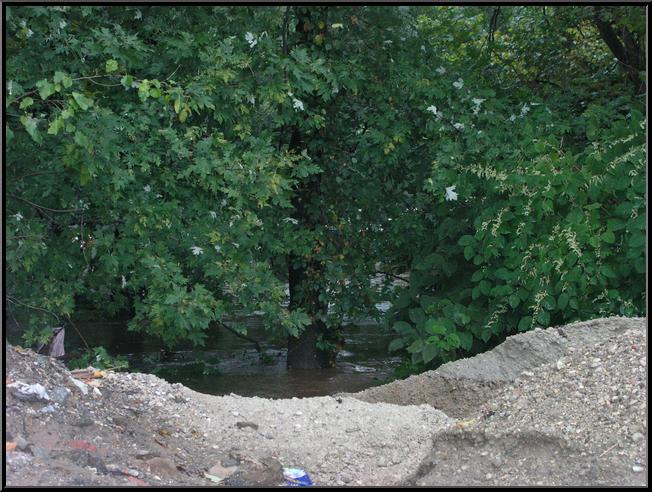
(296, 477)
(29, 392)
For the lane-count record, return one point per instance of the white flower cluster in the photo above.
(433, 110)
(196, 250)
(476, 104)
(296, 103)
(251, 39)
(458, 84)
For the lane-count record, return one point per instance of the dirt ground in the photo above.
(562, 406)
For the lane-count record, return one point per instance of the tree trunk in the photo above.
(305, 278)
(305, 274)
(629, 51)
(303, 352)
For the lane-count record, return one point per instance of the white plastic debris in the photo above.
(33, 392)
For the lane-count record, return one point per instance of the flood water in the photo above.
(229, 364)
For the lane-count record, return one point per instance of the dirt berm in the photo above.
(562, 406)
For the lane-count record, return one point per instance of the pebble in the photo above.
(637, 468)
(60, 395)
(637, 436)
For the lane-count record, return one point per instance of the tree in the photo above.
(183, 164)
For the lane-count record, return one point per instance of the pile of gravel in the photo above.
(580, 420)
(562, 406)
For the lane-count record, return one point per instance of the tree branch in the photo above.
(238, 334)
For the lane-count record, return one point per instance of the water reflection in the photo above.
(228, 364)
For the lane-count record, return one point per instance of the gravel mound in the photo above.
(580, 420)
(562, 406)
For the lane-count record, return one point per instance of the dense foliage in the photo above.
(183, 164)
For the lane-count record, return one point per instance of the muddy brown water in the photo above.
(229, 364)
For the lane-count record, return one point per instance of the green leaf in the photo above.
(430, 351)
(433, 326)
(525, 323)
(55, 126)
(31, 125)
(514, 301)
(607, 271)
(544, 318)
(466, 240)
(396, 344)
(466, 340)
(83, 101)
(62, 78)
(126, 81)
(403, 328)
(562, 301)
(468, 253)
(45, 88)
(608, 237)
(26, 103)
(416, 346)
(417, 316)
(111, 65)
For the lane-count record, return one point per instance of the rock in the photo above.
(256, 471)
(243, 425)
(60, 395)
(637, 436)
(47, 409)
(83, 387)
(222, 471)
(83, 420)
(22, 443)
(145, 454)
(161, 466)
(637, 468)
(39, 453)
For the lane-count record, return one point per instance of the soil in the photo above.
(562, 406)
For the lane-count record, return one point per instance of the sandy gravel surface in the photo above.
(562, 406)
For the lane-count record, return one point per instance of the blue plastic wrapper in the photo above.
(296, 477)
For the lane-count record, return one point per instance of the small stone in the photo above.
(246, 425)
(47, 409)
(637, 436)
(161, 466)
(643, 361)
(596, 362)
(145, 454)
(113, 468)
(40, 453)
(298, 413)
(21, 443)
(60, 395)
(132, 472)
(488, 476)
(637, 468)
(560, 365)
